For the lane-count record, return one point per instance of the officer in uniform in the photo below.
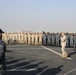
(71, 40)
(2, 59)
(67, 40)
(63, 45)
(25, 38)
(48, 39)
(29, 38)
(36, 39)
(32, 38)
(40, 38)
(53, 39)
(57, 39)
(44, 39)
(74, 41)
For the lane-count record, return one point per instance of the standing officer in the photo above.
(63, 45)
(44, 39)
(32, 38)
(67, 40)
(53, 39)
(71, 40)
(74, 41)
(57, 39)
(29, 38)
(3, 47)
(36, 38)
(48, 39)
(40, 38)
(25, 36)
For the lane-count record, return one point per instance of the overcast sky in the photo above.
(38, 15)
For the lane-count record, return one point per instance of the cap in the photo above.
(1, 31)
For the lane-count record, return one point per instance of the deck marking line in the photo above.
(54, 51)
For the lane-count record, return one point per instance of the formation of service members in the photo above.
(34, 38)
(23, 38)
(42, 38)
(53, 39)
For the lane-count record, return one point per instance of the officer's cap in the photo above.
(1, 31)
